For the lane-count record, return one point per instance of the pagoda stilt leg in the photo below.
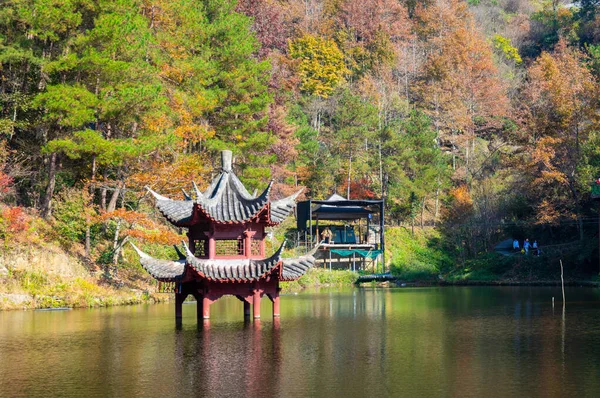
(205, 307)
(179, 299)
(275, 299)
(199, 307)
(246, 309)
(256, 304)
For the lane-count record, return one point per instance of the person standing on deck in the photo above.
(326, 235)
(526, 246)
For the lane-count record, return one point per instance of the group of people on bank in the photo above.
(534, 247)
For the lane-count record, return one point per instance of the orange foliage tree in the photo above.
(560, 113)
(460, 85)
(458, 217)
(138, 225)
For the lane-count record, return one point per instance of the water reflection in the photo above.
(427, 341)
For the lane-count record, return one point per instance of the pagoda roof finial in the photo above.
(226, 160)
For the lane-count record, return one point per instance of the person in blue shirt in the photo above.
(526, 246)
(516, 245)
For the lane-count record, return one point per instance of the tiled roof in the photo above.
(162, 270)
(294, 268)
(226, 201)
(282, 208)
(234, 269)
(178, 212)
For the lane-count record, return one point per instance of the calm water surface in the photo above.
(451, 341)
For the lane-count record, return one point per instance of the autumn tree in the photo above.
(460, 87)
(561, 113)
(320, 64)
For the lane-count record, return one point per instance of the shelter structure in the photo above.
(225, 253)
(368, 242)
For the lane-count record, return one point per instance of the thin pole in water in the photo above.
(562, 281)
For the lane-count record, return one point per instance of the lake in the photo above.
(355, 342)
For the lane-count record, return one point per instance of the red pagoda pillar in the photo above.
(206, 302)
(276, 312)
(248, 243)
(256, 304)
(212, 245)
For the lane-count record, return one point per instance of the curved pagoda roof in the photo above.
(162, 270)
(225, 270)
(226, 200)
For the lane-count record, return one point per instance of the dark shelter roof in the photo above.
(226, 200)
(335, 208)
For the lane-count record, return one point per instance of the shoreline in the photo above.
(158, 298)
(400, 283)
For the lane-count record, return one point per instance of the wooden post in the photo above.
(179, 299)
(256, 304)
(205, 307)
(246, 309)
(562, 282)
(310, 224)
(199, 307)
(368, 225)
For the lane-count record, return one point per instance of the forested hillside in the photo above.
(478, 118)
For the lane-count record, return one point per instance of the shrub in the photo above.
(13, 221)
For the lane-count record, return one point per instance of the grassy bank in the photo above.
(47, 276)
(319, 277)
(34, 289)
(422, 258)
(417, 257)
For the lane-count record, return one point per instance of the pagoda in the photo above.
(225, 253)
